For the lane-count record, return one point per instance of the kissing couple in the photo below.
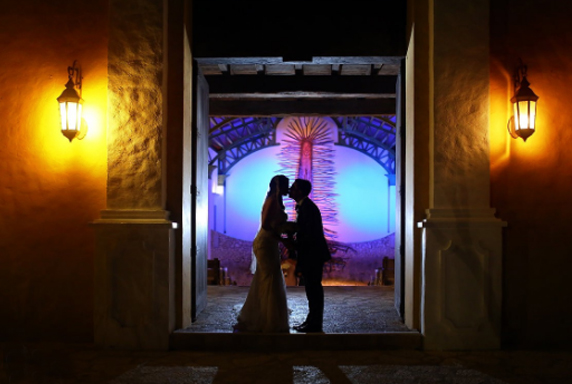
(265, 309)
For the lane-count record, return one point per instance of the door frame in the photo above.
(400, 221)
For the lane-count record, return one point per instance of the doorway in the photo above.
(344, 85)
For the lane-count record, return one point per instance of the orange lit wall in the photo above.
(50, 189)
(532, 182)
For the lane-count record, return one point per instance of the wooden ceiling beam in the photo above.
(300, 95)
(311, 84)
(281, 107)
(331, 60)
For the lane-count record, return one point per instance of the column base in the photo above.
(134, 279)
(461, 279)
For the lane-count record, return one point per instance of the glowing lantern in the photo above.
(71, 104)
(524, 99)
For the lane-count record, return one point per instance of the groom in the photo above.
(313, 252)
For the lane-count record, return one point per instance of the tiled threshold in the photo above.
(355, 318)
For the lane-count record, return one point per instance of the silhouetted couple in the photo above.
(266, 308)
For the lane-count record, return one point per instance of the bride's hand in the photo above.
(288, 227)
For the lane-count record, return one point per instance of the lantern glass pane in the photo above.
(523, 115)
(78, 117)
(72, 116)
(516, 117)
(63, 116)
(532, 114)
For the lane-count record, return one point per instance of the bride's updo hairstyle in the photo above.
(278, 183)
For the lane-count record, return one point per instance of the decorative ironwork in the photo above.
(307, 153)
(373, 136)
(232, 139)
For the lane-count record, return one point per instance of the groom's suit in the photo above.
(313, 252)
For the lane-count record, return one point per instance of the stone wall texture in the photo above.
(461, 78)
(135, 104)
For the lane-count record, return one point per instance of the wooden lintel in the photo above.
(301, 95)
(331, 60)
(356, 60)
(279, 107)
(281, 84)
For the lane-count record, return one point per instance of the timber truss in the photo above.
(373, 136)
(231, 139)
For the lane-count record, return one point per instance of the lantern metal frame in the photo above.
(71, 95)
(522, 93)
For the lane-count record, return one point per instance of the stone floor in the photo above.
(350, 309)
(367, 310)
(85, 364)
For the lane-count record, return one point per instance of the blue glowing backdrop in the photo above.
(351, 164)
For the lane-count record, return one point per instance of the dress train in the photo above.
(265, 309)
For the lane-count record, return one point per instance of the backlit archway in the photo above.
(351, 162)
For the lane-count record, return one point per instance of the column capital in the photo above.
(455, 217)
(135, 217)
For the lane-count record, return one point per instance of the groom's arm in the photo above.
(310, 226)
(315, 241)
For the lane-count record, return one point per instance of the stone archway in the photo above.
(141, 267)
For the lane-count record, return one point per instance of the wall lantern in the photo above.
(71, 104)
(522, 123)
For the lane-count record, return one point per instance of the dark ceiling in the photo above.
(300, 57)
(298, 30)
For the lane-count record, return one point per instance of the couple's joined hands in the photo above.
(288, 228)
(289, 244)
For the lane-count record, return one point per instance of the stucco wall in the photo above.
(50, 189)
(460, 77)
(531, 182)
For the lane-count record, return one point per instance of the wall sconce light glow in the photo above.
(522, 123)
(71, 103)
(219, 190)
(218, 187)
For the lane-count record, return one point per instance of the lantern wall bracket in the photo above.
(75, 69)
(511, 129)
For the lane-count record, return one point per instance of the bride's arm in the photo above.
(271, 215)
(267, 209)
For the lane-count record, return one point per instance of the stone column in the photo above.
(134, 279)
(462, 265)
(461, 238)
(134, 261)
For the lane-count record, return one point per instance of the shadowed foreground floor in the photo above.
(350, 309)
(85, 364)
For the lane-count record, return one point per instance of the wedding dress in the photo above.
(265, 309)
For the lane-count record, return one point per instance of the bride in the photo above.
(265, 309)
